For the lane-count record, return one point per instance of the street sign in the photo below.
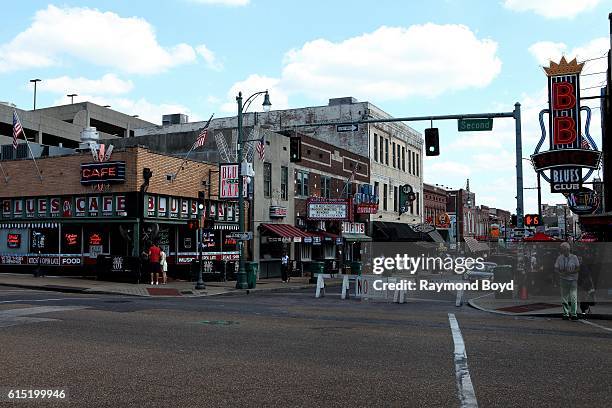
(473, 125)
(347, 128)
(532, 220)
(241, 236)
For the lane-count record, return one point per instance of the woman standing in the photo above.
(164, 267)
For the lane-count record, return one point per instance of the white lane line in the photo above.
(597, 325)
(465, 389)
(43, 300)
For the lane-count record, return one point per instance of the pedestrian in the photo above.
(285, 267)
(586, 286)
(567, 266)
(154, 265)
(164, 266)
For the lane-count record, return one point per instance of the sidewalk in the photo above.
(172, 289)
(541, 306)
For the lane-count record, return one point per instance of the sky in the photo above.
(409, 58)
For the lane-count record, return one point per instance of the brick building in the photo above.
(83, 208)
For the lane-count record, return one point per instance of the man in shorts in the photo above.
(154, 262)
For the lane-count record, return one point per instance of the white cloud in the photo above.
(58, 35)
(209, 57)
(552, 8)
(232, 3)
(108, 84)
(393, 63)
(256, 83)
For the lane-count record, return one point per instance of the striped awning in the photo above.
(475, 246)
(225, 226)
(19, 225)
(288, 231)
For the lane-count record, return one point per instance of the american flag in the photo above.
(201, 140)
(585, 144)
(261, 149)
(17, 129)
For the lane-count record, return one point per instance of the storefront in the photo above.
(279, 239)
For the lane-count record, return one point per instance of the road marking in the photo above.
(465, 389)
(597, 325)
(44, 300)
(15, 317)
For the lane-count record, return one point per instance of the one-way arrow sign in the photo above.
(347, 128)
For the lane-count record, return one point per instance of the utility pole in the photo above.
(34, 81)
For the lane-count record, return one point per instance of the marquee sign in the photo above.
(328, 209)
(569, 149)
(103, 173)
(582, 202)
(107, 205)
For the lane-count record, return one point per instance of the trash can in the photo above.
(251, 271)
(503, 274)
(316, 268)
(356, 267)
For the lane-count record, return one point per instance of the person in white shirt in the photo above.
(164, 266)
(567, 266)
(285, 267)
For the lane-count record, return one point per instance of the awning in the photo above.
(288, 232)
(326, 237)
(397, 232)
(356, 237)
(475, 246)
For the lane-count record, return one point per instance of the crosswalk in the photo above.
(15, 317)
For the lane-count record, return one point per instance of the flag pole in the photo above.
(31, 154)
(190, 150)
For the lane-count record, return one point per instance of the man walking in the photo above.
(154, 262)
(568, 267)
(285, 267)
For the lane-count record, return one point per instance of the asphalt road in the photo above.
(289, 349)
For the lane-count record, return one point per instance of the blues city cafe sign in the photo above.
(570, 150)
(64, 207)
(103, 173)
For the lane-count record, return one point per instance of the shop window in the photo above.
(44, 239)
(305, 252)
(267, 178)
(325, 186)
(187, 239)
(284, 183)
(71, 240)
(329, 251)
(96, 240)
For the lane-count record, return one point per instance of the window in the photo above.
(284, 183)
(403, 158)
(417, 164)
(385, 197)
(375, 147)
(394, 161)
(380, 139)
(301, 182)
(376, 189)
(267, 178)
(413, 163)
(395, 198)
(325, 186)
(305, 252)
(387, 152)
(418, 203)
(409, 163)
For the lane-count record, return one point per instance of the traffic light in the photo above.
(432, 142)
(201, 200)
(532, 220)
(406, 197)
(295, 149)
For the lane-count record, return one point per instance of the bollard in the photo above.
(345, 287)
(320, 286)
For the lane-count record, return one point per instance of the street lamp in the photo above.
(241, 279)
(456, 221)
(34, 81)
(71, 96)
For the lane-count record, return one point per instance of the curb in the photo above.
(592, 316)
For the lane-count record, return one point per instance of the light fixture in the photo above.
(266, 103)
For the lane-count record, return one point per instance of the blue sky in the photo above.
(409, 58)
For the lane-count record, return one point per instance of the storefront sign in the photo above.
(30, 208)
(42, 207)
(228, 181)
(367, 208)
(278, 211)
(103, 173)
(583, 202)
(93, 206)
(13, 241)
(95, 239)
(45, 260)
(328, 209)
(569, 151)
(353, 228)
(443, 220)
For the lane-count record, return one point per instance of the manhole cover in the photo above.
(218, 322)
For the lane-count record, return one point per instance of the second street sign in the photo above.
(474, 125)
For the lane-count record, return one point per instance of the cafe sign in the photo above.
(278, 211)
(570, 149)
(103, 173)
(328, 209)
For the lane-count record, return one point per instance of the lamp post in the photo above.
(241, 279)
(34, 81)
(456, 222)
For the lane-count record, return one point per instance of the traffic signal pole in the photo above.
(515, 114)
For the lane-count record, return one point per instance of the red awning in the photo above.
(287, 231)
(540, 237)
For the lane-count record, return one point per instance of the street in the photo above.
(289, 349)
